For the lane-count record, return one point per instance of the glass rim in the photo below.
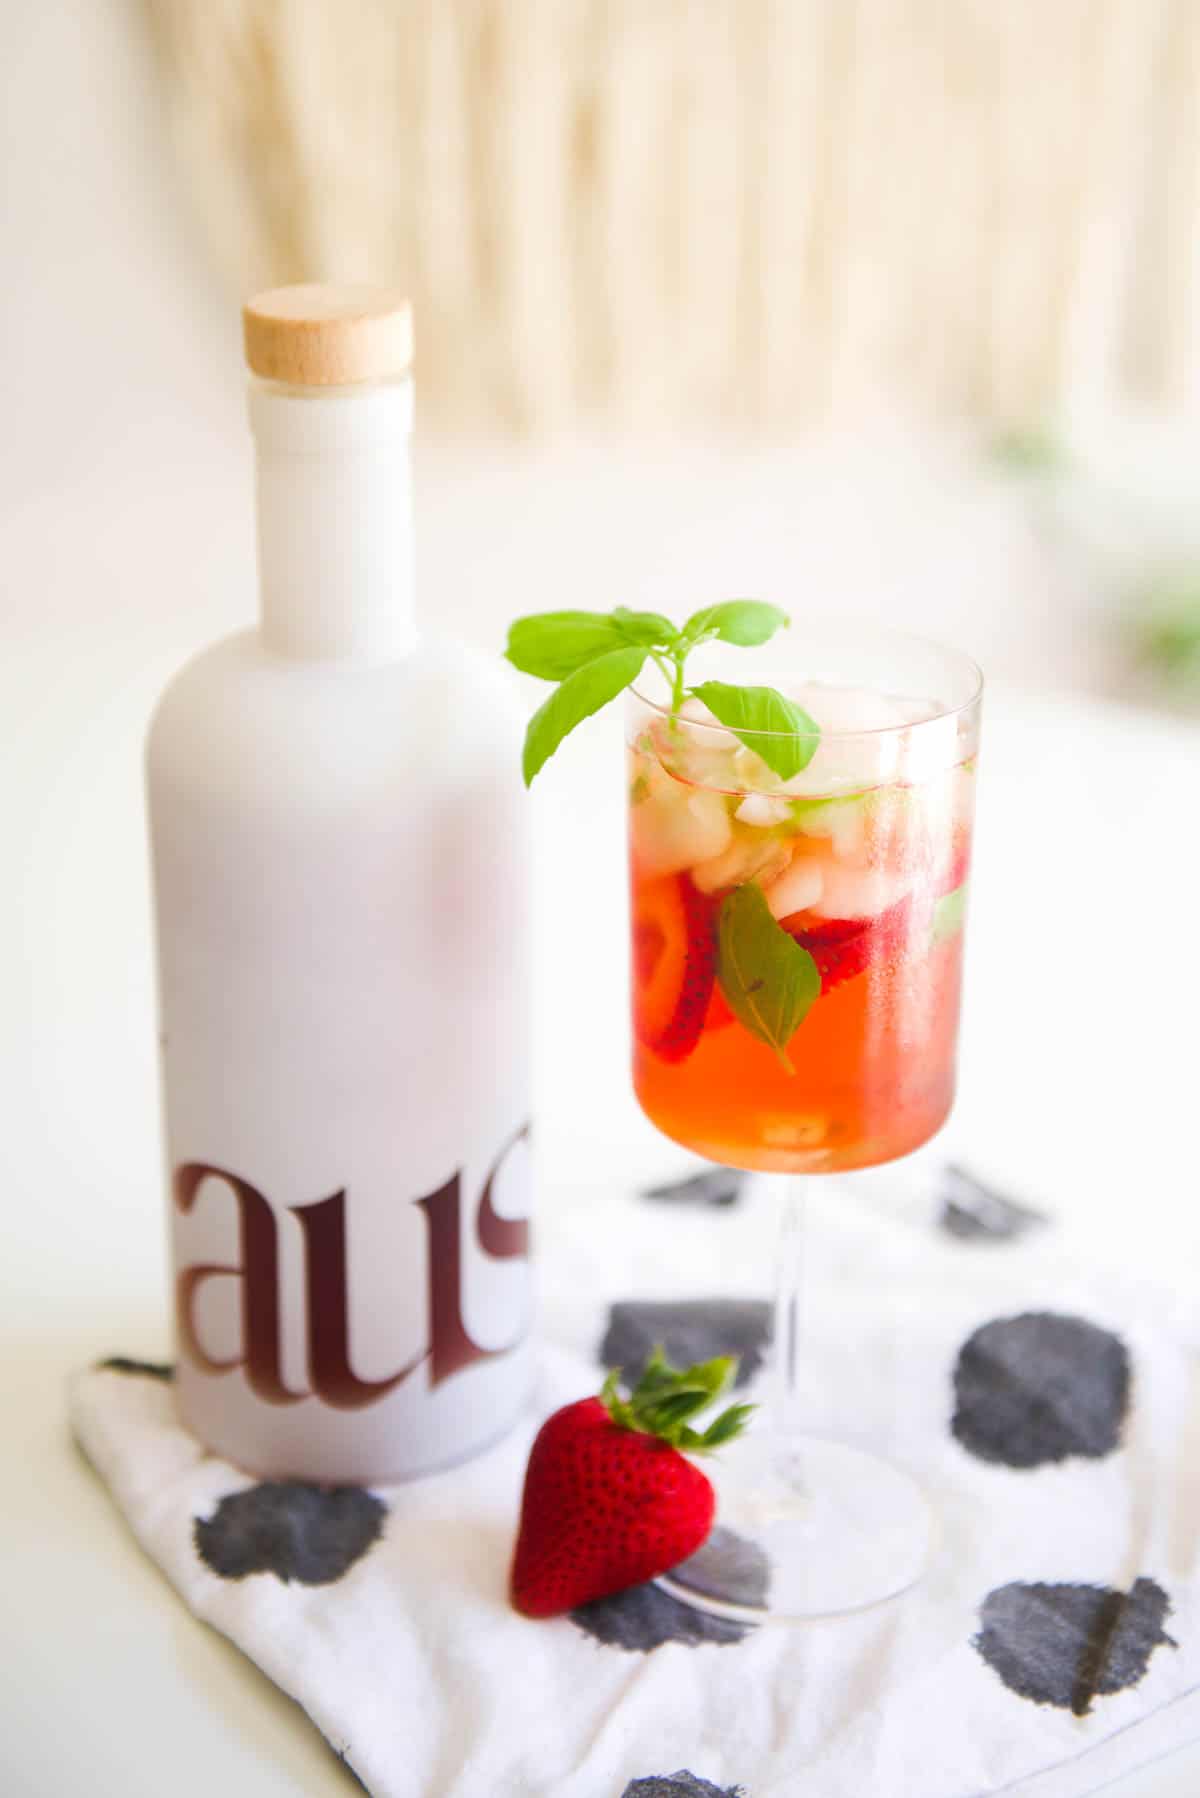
(912, 638)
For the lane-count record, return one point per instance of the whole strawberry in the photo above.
(609, 1499)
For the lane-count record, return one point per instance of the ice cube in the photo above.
(866, 738)
(844, 765)
(747, 858)
(848, 892)
(840, 709)
(699, 756)
(798, 888)
(675, 825)
(760, 809)
(843, 821)
(694, 711)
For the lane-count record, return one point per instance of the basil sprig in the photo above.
(594, 656)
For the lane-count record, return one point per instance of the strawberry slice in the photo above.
(674, 964)
(844, 947)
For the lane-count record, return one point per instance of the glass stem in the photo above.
(787, 1423)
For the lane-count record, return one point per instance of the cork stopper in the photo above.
(325, 336)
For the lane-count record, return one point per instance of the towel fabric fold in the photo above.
(1052, 1646)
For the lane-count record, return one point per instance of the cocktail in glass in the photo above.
(796, 964)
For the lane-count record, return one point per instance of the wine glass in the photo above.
(796, 968)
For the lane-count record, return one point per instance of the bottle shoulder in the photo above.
(444, 704)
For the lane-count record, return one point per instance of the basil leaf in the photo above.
(650, 628)
(581, 694)
(769, 981)
(554, 644)
(949, 913)
(743, 621)
(748, 710)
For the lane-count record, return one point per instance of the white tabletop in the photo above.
(1078, 1085)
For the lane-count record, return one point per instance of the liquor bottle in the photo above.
(338, 844)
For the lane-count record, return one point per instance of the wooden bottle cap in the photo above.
(325, 336)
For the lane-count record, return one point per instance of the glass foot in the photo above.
(850, 1531)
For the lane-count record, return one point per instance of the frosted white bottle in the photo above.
(338, 839)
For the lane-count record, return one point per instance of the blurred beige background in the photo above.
(879, 306)
(761, 213)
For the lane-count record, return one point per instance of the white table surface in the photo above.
(1078, 1084)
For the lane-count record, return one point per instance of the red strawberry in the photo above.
(674, 964)
(843, 947)
(718, 1014)
(609, 1500)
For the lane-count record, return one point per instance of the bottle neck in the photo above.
(334, 521)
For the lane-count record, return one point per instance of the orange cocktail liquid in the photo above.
(874, 1076)
(872, 884)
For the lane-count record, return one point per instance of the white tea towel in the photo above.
(1052, 1645)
